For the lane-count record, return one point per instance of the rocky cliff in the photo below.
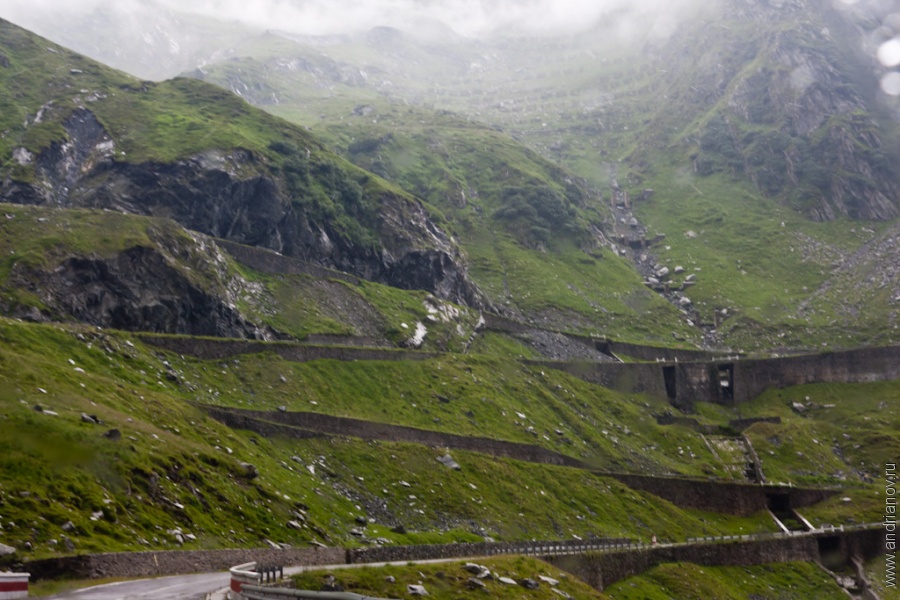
(794, 109)
(110, 145)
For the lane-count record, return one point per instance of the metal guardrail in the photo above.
(253, 592)
(780, 535)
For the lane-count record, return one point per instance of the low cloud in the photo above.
(324, 17)
(468, 17)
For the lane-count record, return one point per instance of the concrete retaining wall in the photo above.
(602, 570)
(682, 384)
(753, 377)
(742, 499)
(638, 378)
(701, 494)
(685, 384)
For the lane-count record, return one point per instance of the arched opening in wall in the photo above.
(830, 553)
(726, 381)
(779, 504)
(603, 348)
(670, 377)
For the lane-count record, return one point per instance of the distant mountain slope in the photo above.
(787, 101)
(80, 134)
(665, 117)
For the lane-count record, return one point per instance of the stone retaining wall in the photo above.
(217, 349)
(439, 551)
(177, 562)
(267, 261)
(718, 496)
(682, 384)
(312, 424)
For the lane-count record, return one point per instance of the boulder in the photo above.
(475, 584)
(549, 580)
(250, 471)
(448, 462)
(529, 584)
(508, 581)
(4, 550)
(416, 590)
(479, 571)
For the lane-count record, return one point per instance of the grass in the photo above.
(759, 261)
(175, 468)
(478, 396)
(876, 571)
(450, 580)
(690, 581)
(644, 121)
(161, 123)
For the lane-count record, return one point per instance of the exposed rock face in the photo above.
(237, 196)
(116, 292)
(794, 110)
(827, 141)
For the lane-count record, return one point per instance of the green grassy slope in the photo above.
(697, 122)
(450, 580)
(174, 468)
(37, 242)
(689, 581)
(530, 229)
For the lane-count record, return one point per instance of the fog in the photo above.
(326, 17)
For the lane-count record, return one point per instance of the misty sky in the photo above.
(468, 17)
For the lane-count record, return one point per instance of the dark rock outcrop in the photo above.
(239, 196)
(135, 290)
(792, 108)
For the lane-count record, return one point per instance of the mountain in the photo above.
(82, 135)
(766, 147)
(221, 329)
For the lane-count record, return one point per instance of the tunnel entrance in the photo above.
(830, 551)
(603, 347)
(779, 504)
(726, 381)
(670, 377)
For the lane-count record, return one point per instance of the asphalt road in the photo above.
(190, 587)
(179, 587)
